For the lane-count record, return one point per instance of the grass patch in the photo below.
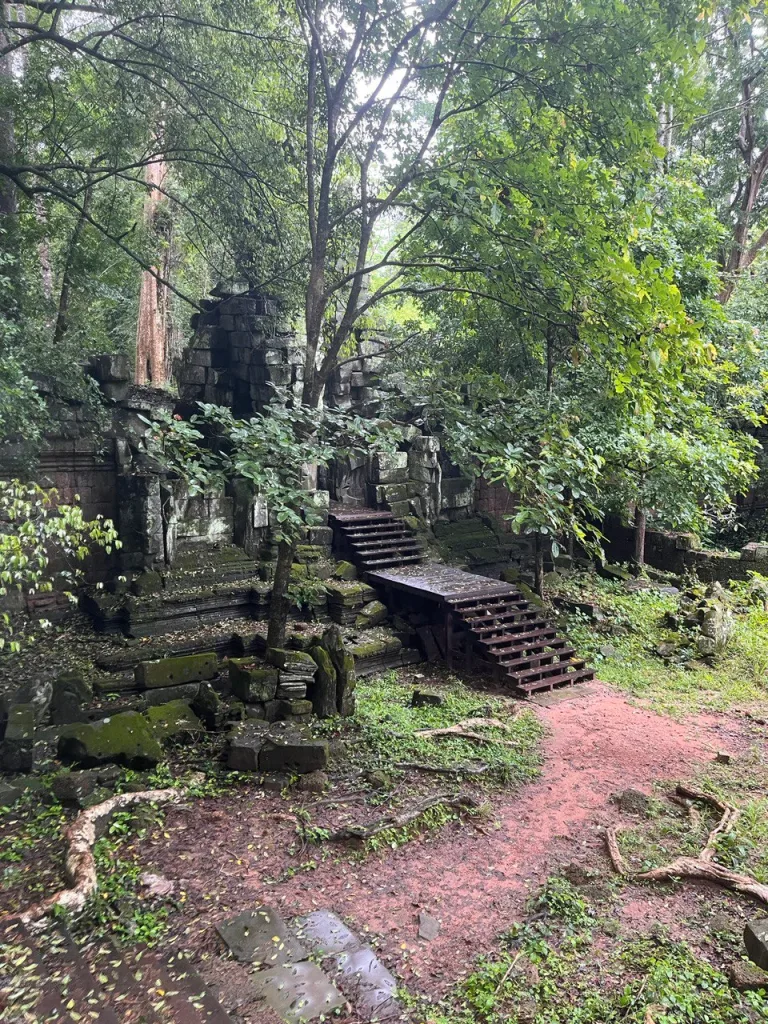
(634, 626)
(550, 971)
(383, 732)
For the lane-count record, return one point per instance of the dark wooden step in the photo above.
(510, 608)
(516, 631)
(386, 542)
(367, 529)
(521, 661)
(509, 620)
(382, 562)
(517, 641)
(582, 676)
(526, 675)
(355, 516)
(464, 604)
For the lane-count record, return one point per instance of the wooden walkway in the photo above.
(457, 614)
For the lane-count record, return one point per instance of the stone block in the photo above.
(400, 508)
(164, 694)
(198, 357)
(209, 707)
(366, 981)
(387, 493)
(390, 468)
(17, 751)
(288, 709)
(345, 571)
(244, 743)
(111, 368)
(325, 934)
(125, 738)
(174, 721)
(293, 753)
(371, 614)
(251, 682)
(70, 692)
(457, 492)
(320, 536)
(189, 668)
(192, 374)
(746, 977)
(426, 444)
(756, 941)
(298, 992)
(294, 662)
(261, 937)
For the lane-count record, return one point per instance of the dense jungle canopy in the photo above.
(554, 212)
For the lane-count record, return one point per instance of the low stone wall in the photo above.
(679, 552)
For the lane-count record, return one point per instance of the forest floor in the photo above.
(535, 926)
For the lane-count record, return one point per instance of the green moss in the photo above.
(189, 668)
(125, 739)
(173, 721)
(375, 648)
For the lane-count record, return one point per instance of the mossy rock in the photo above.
(345, 571)
(291, 661)
(174, 721)
(510, 575)
(371, 614)
(250, 682)
(126, 739)
(530, 595)
(189, 668)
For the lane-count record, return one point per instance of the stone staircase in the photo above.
(47, 978)
(375, 540)
(505, 629)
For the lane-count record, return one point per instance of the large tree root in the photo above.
(703, 867)
(80, 866)
(456, 803)
(461, 730)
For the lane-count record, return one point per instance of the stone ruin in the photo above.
(193, 576)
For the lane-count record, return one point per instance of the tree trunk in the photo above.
(538, 583)
(278, 604)
(152, 328)
(8, 198)
(62, 316)
(639, 536)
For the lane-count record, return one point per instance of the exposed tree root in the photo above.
(456, 803)
(463, 732)
(79, 866)
(703, 867)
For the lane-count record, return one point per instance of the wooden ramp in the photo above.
(491, 621)
(461, 614)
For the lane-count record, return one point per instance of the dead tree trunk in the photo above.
(640, 531)
(278, 605)
(151, 332)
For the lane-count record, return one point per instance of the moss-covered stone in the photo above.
(308, 553)
(371, 614)
(293, 753)
(243, 745)
(530, 595)
(18, 747)
(297, 662)
(345, 571)
(323, 691)
(252, 683)
(125, 739)
(70, 692)
(293, 709)
(189, 668)
(209, 706)
(174, 721)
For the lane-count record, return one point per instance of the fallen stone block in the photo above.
(70, 692)
(252, 683)
(189, 668)
(260, 936)
(746, 977)
(244, 744)
(364, 979)
(292, 709)
(165, 694)
(422, 699)
(293, 753)
(124, 739)
(174, 721)
(294, 662)
(298, 992)
(325, 934)
(756, 941)
(371, 614)
(17, 751)
(209, 707)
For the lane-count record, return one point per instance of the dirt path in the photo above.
(474, 880)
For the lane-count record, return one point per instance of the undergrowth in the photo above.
(549, 970)
(385, 723)
(634, 625)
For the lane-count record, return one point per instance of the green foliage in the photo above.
(386, 722)
(43, 544)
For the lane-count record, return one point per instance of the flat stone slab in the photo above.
(367, 983)
(260, 936)
(325, 934)
(429, 926)
(298, 992)
(756, 941)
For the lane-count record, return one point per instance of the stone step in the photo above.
(311, 967)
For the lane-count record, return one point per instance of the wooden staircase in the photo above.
(47, 978)
(522, 646)
(375, 540)
(492, 621)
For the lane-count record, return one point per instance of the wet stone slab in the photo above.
(367, 983)
(298, 992)
(260, 937)
(325, 934)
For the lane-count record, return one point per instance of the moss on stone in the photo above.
(189, 668)
(250, 682)
(173, 721)
(125, 739)
(345, 571)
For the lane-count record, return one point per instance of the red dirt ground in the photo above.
(474, 879)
